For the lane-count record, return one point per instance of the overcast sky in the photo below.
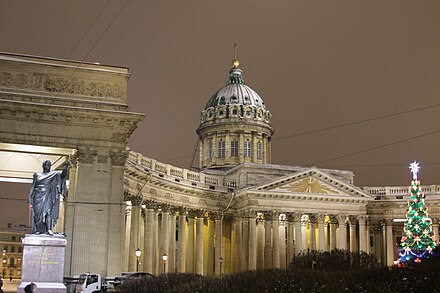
(316, 64)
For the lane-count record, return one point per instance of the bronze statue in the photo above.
(44, 197)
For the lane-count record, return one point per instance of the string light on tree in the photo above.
(418, 242)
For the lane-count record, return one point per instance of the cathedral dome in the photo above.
(236, 92)
(234, 126)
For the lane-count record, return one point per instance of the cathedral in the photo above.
(129, 212)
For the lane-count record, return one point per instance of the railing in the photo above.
(388, 192)
(181, 174)
(191, 177)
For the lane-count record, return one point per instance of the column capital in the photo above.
(352, 220)
(320, 218)
(250, 214)
(362, 219)
(342, 219)
(333, 219)
(118, 157)
(85, 155)
(215, 215)
(196, 213)
(268, 216)
(294, 217)
(150, 204)
(313, 218)
(388, 221)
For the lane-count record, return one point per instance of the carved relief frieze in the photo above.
(66, 85)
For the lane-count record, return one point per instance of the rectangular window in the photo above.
(210, 150)
(259, 150)
(221, 149)
(12, 248)
(234, 148)
(247, 149)
(5, 248)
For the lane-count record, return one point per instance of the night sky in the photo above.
(316, 64)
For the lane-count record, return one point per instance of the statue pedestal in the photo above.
(43, 263)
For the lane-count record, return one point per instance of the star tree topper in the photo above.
(414, 167)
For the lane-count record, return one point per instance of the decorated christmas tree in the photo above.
(417, 241)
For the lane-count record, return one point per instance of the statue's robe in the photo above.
(45, 200)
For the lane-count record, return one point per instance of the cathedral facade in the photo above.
(128, 212)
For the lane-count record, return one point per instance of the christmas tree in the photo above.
(417, 241)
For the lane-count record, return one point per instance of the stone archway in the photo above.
(79, 109)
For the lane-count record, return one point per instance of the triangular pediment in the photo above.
(313, 181)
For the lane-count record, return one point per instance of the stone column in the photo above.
(252, 241)
(304, 223)
(191, 236)
(353, 238)
(342, 232)
(260, 246)
(312, 219)
(254, 147)
(283, 249)
(199, 243)
(209, 247)
(290, 237)
(435, 229)
(149, 239)
(321, 235)
(367, 228)
(389, 241)
(218, 243)
(182, 241)
(276, 241)
(136, 202)
(227, 148)
(165, 237)
(333, 226)
(245, 243)
(125, 256)
(172, 242)
(268, 240)
(362, 234)
(241, 146)
(298, 234)
(238, 243)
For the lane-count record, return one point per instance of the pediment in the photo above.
(313, 181)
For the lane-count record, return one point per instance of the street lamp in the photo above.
(164, 258)
(138, 254)
(220, 260)
(4, 264)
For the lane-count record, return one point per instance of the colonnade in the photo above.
(208, 243)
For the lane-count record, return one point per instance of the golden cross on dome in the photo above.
(235, 62)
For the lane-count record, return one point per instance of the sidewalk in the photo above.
(10, 287)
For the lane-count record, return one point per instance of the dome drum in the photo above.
(234, 127)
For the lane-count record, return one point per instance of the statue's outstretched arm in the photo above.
(65, 169)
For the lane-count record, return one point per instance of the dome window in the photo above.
(234, 112)
(234, 99)
(221, 149)
(221, 113)
(234, 148)
(222, 101)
